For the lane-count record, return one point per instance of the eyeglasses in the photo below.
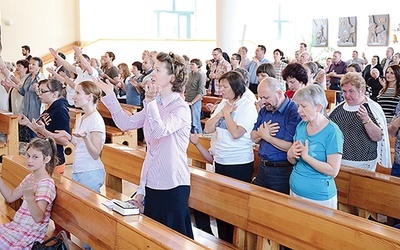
(43, 91)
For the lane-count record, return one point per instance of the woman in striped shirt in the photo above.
(166, 119)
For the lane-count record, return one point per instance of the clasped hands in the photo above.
(267, 130)
(298, 150)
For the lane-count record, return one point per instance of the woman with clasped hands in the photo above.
(363, 125)
(316, 151)
(166, 119)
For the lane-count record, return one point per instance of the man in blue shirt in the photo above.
(274, 131)
(253, 65)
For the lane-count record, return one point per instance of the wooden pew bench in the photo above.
(264, 214)
(9, 127)
(80, 211)
(119, 167)
(113, 133)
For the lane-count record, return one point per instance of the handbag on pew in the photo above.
(58, 242)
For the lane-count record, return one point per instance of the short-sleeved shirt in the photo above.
(83, 161)
(306, 181)
(23, 230)
(339, 68)
(227, 150)
(358, 146)
(57, 118)
(287, 117)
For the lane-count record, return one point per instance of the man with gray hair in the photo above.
(388, 60)
(274, 131)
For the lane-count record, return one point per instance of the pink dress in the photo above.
(23, 230)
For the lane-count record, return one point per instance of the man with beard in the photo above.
(274, 131)
(26, 51)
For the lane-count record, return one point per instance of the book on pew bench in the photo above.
(124, 207)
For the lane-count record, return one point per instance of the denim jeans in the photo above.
(274, 178)
(92, 179)
(195, 109)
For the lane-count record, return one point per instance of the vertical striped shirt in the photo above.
(166, 126)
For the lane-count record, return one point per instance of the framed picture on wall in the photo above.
(378, 30)
(320, 32)
(347, 35)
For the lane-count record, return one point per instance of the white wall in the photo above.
(51, 23)
(40, 24)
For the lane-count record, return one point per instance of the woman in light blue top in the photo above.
(316, 151)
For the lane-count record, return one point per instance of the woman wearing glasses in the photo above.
(55, 117)
(166, 120)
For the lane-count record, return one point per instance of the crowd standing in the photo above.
(279, 105)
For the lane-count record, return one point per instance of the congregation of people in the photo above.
(280, 105)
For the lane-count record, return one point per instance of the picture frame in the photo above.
(378, 30)
(320, 32)
(347, 35)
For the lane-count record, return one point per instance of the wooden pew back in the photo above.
(9, 127)
(114, 134)
(374, 192)
(331, 98)
(274, 216)
(209, 99)
(80, 211)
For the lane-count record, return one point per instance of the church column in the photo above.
(230, 25)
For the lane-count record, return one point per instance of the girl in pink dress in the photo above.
(38, 192)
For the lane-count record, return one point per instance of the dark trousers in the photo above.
(241, 172)
(274, 178)
(170, 207)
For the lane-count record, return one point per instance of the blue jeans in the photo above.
(195, 109)
(92, 179)
(274, 178)
(396, 169)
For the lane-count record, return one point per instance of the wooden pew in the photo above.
(331, 98)
(271, 215)
(205, 100)
(9, 127)
(199, 161)
(114, 134)
(80, 211)
(371, 191)
(74, 115)
(118, 161)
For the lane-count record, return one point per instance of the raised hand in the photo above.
(151, 91)
(77, 50)
(54, 52)
(61, 134)
(23, 120)
(29, 188)
(107, 87)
